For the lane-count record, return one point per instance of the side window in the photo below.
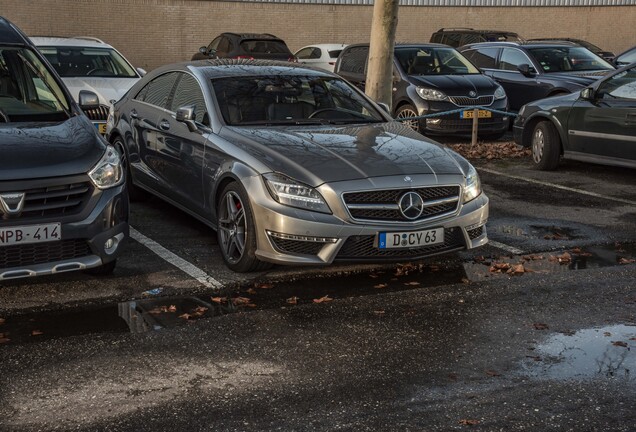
(484, 58)
(354, 60)
(628, 58)
(188, 93)
(224, 45)
(511, 58)
(452, 39)
(304, 53)
(316, 53)
(157, 91)
(620, 86)
(470, 38)
(214, 44)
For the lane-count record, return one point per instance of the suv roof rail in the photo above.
(89, 38)
(454, 28)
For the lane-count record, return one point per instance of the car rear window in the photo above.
(334, 54)
(265, 46)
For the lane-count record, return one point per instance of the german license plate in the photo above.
(481, 114)
(30, 234)
(101, 127)
(410, 239)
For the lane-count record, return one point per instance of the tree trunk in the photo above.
(379, 83)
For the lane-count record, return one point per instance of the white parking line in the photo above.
(556, 186)
(183, 265)
(513, 250)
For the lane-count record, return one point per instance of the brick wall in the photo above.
(154, 32)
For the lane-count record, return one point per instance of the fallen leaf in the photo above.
(492, 373)
(434, 268)
(2, 321)
(564, 258)
(516, 269)
(379, 312)
(162, 309)
(626, 261)
(465, 281)
(533, 257)
(540, 326)
(620, 344)
(238, 301)
(380, 286)
(413, 283)
(264, 285)
(292, 300)
(324, 299)
(461, 301)
(36, 333)
(172, 308)
(4, 340)
(499, 267)
(219, 299)
(607, 334)
(199, 311)
(251, 291)
(185, 316)
(580, 252)
(468, 422)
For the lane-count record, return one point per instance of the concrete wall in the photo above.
(154, 32)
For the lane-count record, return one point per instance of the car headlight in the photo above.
(108, 171)
(430, 94)
(472, 189)
(500, 93)
(110, 120)
(294, 194)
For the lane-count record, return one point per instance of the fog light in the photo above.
(110, 246)
(433, 121)
(109, 243)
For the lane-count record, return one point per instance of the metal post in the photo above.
(473, 141)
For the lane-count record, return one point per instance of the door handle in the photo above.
(133, 114)
(164, 125)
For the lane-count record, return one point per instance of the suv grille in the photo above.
(363, 247)
(59, 200)
(467, 101)
(40, 253)
(382, 205)
(98, 114)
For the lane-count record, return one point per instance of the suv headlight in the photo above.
(472, 189)
(108, 171)
(500, 93)
(430, 94)
(291, 193)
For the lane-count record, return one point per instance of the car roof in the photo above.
(408, 45)
(10, 34)
(527, 44)
(221, 68)
(253, 35)
(326, 46)
(77, 41)
(472, 30)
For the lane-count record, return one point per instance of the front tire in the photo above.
(407, 111)
(546, 146)
(236, 231)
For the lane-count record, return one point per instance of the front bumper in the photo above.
(292, 236)
(453, 124)
(83, 244)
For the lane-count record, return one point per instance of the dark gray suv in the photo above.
(63, 201)
(433, 78)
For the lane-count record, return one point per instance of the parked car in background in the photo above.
(457, 37)
(597, 124)
(433, 78)
(323, 56)
(89, 64)
(294, 165)
(605, 55)
(246, 46)
(63, 201)
(535, 70)
(626, 57)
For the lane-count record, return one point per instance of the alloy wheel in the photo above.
(538, 145)
(232, 226)
(408, 113)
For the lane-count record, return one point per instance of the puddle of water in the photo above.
(157, 313)
(552, 262)
(608, 352)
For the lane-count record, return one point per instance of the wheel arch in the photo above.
(532, 122)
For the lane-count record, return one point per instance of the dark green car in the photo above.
(597, 124)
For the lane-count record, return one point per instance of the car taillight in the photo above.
(244, 57)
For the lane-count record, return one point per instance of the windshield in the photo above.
(80, 62)
(567, 59)
(28, 92)
(256, 46)
(292, 99)
(434, 61)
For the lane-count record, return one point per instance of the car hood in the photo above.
(106, 89)
(322, 154)
(583, 79)
(457, 85)
(47, 149)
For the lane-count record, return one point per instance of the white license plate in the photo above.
(30, 234)
(410, 239)
(101, 127)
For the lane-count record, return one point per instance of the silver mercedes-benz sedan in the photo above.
(292, 165)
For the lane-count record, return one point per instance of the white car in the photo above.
(321, 55)
(86, 63)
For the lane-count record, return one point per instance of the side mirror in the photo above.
(385, 107)
(526, 70)
(588, 93)
(203, 50)
(141, 72)
(187, 115)
(88, 100)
